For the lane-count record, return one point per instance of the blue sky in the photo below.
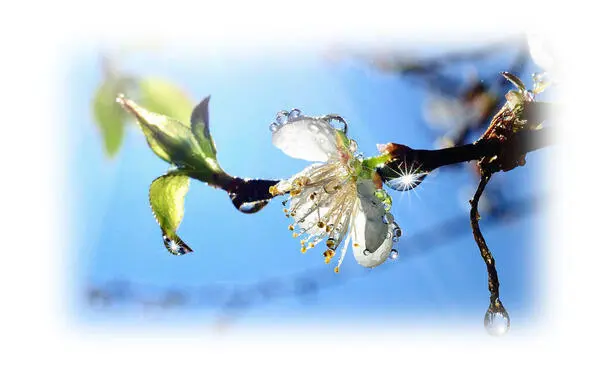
(115, 236)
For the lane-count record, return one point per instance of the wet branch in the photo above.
(429, 160)
(496, 311)
(493, 280)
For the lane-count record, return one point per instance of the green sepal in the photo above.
(200, 128)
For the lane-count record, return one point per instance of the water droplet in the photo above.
(397, 232)
(273, 127)
(383, 196)
(366, 252)
(353, 145)
(338, 118)
(406, 182)
(380, 194)
(252, 207)
(496, 321)
(388, 218)
(281, 117)
(175, 246)
(394, 254)
(294, 114)
(313, 127)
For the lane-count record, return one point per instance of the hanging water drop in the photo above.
(366, 252)
(353, 145)
(294, 114)
(273, 127)
(406, 182)
(496, 321)
(281, 117)
(394, 254)
(175, 246)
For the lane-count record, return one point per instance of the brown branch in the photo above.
(496, 310)
(493, 280)
(429, 160)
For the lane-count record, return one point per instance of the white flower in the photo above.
(333, 201)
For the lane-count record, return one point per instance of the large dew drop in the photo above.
(281, 117)
(406, 182)
(394, 254)
(496, 322)
(294, 114)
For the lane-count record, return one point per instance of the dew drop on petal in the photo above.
(496, 322)
(273, 127)
(293, 114)
(366, 252)
(281, 117)
(394, 254)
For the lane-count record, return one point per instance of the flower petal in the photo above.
(372, 238)
(307, 138)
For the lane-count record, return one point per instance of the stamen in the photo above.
(328, 255)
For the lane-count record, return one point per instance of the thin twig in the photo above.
(496, 306)
(493, 280)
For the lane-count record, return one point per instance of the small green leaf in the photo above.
(108, 115)
(174, 142)
(167, 198)
(163, 97)
(200, 128)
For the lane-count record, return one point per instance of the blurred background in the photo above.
(247, 269)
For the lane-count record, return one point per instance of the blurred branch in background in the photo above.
(233, 300)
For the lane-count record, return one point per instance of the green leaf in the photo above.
(167, 199)
(108, 115)
(174, 142)
(200, 128)
(163, 97)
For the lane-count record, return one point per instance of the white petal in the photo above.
(373, 236)
(306, 138)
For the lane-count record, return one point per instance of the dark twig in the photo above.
(496, 307)
(429, 160)
(493, 280)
